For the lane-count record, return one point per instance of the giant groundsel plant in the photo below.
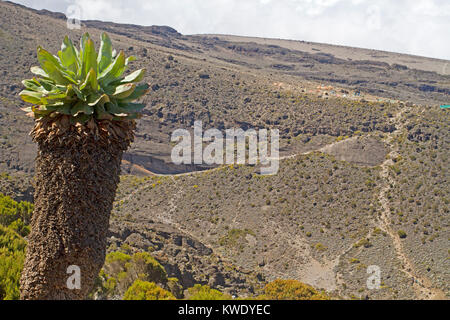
(83, 84)
(84, 121)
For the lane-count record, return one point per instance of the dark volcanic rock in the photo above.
(183, 257)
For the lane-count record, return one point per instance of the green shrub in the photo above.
(401, 234)
(115, 262)
(320, 247)
(363, 242)
(145, 267)
(234, 237)
(144, 290)
(199, 292)
(20, 227)
(13, 218)
(290, 290)
(12, 255)
(11, 210)
(121, 270)
(175, 287)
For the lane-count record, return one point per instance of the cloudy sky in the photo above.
(420, 27)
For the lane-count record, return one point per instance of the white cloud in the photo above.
(314, 8)
(420, 27)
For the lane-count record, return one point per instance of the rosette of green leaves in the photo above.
(84, 84)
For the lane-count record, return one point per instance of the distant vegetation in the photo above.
(12, 245)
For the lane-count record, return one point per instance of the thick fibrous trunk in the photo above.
(77, 172)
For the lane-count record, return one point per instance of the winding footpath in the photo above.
(422, 286)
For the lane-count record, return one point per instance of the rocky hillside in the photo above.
(363, 178)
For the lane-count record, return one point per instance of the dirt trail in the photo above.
(422, 286)
(321, 149)
(167, 215)
(173, 176)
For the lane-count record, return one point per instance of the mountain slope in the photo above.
(363, 144)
